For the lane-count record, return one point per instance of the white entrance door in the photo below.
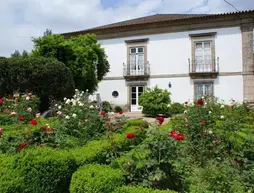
(203, 56)
(136, 91)
(137, 61)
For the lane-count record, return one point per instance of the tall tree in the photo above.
(81, 54)
(16, 54)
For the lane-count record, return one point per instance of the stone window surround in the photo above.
(200, 38)
(202, 81)
(136, 43)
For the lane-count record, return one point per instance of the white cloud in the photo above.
(22, 19)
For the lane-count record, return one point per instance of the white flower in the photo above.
(76, 90)
(185, 111)
(67, 117)
(29, 109)
(202, 97)
(210, 132)
(205, 103)
(222, 106)
(210, 112)
(86, 90)
(27, 98)
(59, 107)
(56, 105)
(13, 113)
(59, 112)
(112, 113)
(68, 101)
(81, 104)
(74, 115)
(82, 92)
(222, 117)
(65, 98)
(91, 107)
(169, 105)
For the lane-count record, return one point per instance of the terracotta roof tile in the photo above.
(158, 18)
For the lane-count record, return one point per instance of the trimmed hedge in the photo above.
(96, 179)
(37, 170)
(138, 189)
(137, 122)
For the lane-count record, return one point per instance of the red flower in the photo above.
(202, 122)
(108, 119)
(186, 103)
(176, 136)
(24, 144)
(179, 137)
(33, 122)
(121, 112)
(1, 101)
(200, 102)
(5, 110)
(130, 135)
(21, 118)
(160, 119)
(20, 149)
(103, 113)
(41, 146)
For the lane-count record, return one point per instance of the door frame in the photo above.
(130, 96)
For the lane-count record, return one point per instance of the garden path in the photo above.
(135, 115)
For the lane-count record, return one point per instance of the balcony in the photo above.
(136, 72)
(204, 68)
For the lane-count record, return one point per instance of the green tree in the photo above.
(16, 54)
(81, 54)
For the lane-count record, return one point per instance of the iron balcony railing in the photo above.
(204, 66)
(141, 69)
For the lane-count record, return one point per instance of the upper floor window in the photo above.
(137, 60)
(203, 53)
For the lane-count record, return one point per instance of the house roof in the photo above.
(158, 18)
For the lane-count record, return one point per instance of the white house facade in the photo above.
(189, 55)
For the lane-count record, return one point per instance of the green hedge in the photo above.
(137, 122)
(6, 119)
(96, 179)
(37, 170)
(132, 189)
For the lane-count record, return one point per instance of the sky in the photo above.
(22, 19)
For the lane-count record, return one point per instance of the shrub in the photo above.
(155, 101)
(96, 179)
(38, 170)
(106, 106)
(6, 119)
(44, 77)
(176, 108)
(137, 122)
(118, 109)
(139, 189)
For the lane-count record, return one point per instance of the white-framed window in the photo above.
(203, 56)
(203, 89)
(137, 60)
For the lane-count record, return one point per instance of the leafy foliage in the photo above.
(139, 189)
(96, 179)
(82, 55)
(106, 106)
(155, 101)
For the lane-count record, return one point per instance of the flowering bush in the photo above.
(177, 108)
(79, 119)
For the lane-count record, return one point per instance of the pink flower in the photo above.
(202, 122)
(29, 109)
(13, 113)
(1, 101)
(37, 115)
(5, 110)
(59, 112)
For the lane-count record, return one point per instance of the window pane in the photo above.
(133, 96)
(133, 102)
(207, 44)
(133, 50)
(133, 89)
(140, 50)
(140, 89)
(199, 45)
